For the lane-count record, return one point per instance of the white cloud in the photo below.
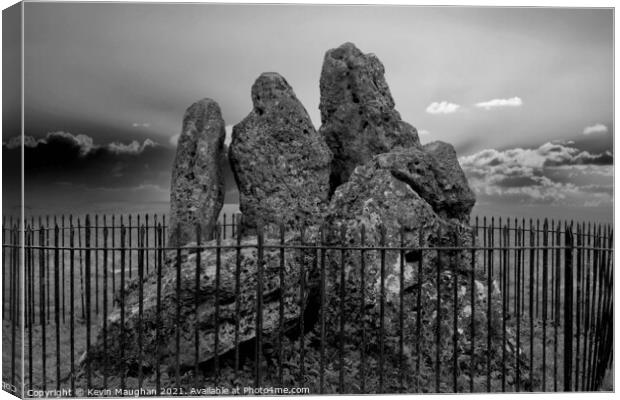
(131, 148)
(424, 132)
(553, 173)
(442, 107)
(495, 103)
(141, 125)
(175, 139)
(596, 128)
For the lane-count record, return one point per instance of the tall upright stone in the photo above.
(357, 111)
(197, 187)
(281, 164)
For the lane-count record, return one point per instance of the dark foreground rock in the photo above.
(236, 305)
(280, 162)
(357, 111)
(197, 186)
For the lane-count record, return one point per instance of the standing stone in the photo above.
(197, 189)
(281, 164)
(357, 111)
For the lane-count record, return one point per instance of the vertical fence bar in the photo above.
(48, 266)
(28, 309)
(505, 277)
(141, 236)
(343, 238)
(520, 231)
(62, 267)
(533, 277)
(472, 301)
(568, 308)
(96, 254)
(438, 326)
(113, 229)
(587, 315)
(489, 268)
(160, 254)
(43, 319)
(545, 257)
(259, 307)
(218, 266)
(578, 303)
(87, 274)
(129, 246)
(238, 304)
(197, 303)
(556, 305)
(362, 306)
(302, 295)
(104, 320)
(455, 333)
(322, 313)
(418, 329)
(401, 313)
(177, 329)
(57, 301)
(121, 288)
(71, 303)
(5, 243)
(381, 310)
(14, 300)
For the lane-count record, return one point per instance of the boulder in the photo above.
(237, 305)
(281, 164)
(434, 175)
(357, 111)
(459, 198)
(380, 201)
(197, 189)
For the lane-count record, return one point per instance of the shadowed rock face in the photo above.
(280, 162)
(197, 188)
(357, 111)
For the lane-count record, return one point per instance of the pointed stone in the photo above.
(357, 111)
(281, 164)
(197, 188)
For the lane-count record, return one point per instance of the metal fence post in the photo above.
(568, 308)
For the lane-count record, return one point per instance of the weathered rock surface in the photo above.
(237, 305)
(197, 191)
(281, 164)
(382, 195)
(459, 198)
(357, 111)
(434, 175)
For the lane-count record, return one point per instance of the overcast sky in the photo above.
(524, 94)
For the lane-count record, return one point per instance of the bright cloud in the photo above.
(552, 174)
(424, 132)
(228, 138)
(497, 103)
(594, 129)
(141, 125)
(174, 139)
(442, 107)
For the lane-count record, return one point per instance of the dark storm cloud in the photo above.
(76, 161)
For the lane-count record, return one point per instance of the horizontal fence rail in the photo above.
(110, 309)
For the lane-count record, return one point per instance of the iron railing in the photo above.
(556, 307)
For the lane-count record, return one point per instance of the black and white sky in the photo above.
(524, 94)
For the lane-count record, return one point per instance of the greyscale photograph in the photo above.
(204, 199)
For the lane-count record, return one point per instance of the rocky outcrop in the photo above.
(235, 305)
(357, 111)
(434, 175)
(281, 164)
(459, 199)
(398, 199)
(197, 192)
